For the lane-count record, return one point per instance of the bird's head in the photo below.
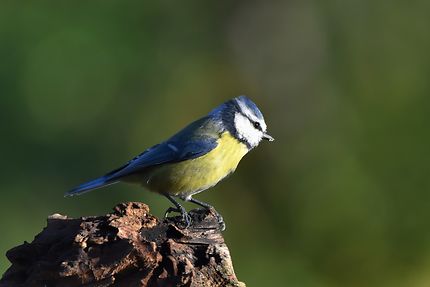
(244, 120)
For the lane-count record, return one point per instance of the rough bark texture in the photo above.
(128, 247)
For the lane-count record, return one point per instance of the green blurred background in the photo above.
(341, 198)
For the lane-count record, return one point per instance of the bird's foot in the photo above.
(219, 218)
(186, 218)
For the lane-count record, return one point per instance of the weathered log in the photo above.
(128, 247)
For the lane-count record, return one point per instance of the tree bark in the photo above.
(128, 247)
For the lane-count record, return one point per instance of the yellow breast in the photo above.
(192, 176)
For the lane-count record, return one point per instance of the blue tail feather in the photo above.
(100, 182)
(91, 185)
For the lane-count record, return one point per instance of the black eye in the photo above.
(257, 125)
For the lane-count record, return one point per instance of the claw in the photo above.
(221, 226)
(219, 218)
(169, 210)
(186, 218)
(220, 221)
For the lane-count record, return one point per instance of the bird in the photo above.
(194, 159)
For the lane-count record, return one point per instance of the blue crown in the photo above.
(250, 105)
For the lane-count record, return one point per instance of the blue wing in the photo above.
(166, 152)
(187, 144)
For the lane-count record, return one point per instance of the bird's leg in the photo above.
(178, 208)
(211, 209)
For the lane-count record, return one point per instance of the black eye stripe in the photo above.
(257, 125)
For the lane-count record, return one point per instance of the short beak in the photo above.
(268, 137)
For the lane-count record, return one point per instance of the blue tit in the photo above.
(194, 159)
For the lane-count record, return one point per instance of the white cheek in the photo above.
(246, 130)
(250, 114)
